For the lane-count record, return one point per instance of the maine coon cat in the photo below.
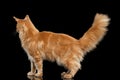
(62, 48)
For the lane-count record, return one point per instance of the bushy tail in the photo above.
(95, 33)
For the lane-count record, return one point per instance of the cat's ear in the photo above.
(27, 17)
(16, 19)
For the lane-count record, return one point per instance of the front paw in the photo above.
(38, 75)
(30, 74)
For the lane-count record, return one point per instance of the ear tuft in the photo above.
(16, 19)
(26, 17)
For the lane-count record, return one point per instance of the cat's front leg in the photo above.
(33, 69)
(39, 67)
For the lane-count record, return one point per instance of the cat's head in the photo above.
(22, 23)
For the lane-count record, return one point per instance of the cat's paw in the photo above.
(38, 75)
(63, 73)
(30, 73)
(66, 75)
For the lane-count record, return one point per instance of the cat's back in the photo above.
(66, 37)
(56, 37)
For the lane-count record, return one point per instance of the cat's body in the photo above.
(64, 49)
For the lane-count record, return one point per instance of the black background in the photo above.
(69, 17)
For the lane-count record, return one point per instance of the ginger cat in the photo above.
(62, 48)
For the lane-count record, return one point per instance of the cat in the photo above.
(66, 50)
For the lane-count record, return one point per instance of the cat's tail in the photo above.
(95, 33)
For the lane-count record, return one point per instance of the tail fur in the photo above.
(95, 33)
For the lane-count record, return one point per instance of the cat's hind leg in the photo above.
(73, 66)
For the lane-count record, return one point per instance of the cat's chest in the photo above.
(30, 57)
(32, 48)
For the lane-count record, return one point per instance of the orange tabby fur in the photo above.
(64, 49)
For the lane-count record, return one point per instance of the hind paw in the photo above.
(66, 75)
